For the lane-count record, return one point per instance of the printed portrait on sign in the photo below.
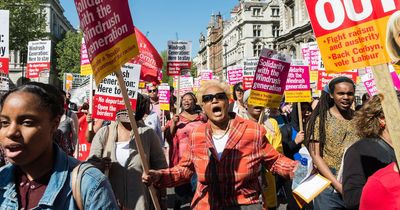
(393, 37)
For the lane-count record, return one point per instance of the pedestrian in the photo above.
(115, 144)
(274, 137)
(372, 152)
(238, 105)
(292, 141)
(177, 134)
(67, 136)
(330, 131)
(226, 154)
(151, 119)
(39, 173)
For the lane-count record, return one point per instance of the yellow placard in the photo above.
(292, 96)
(355, 47)
(164, 107)
(112, 59)
(259, 98)
(86, 69)
(313, 76)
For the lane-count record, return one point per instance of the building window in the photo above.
(256, 11)
(257, 50)
(256, 30)
(275, 30)
(275, 12)
(292, 16)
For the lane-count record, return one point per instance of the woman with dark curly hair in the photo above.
(372, 152)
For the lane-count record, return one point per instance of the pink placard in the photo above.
(271, 75)
(298, 78)
(235, 74)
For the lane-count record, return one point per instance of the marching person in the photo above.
(177, 133)
(114, 143)
(372, 152)
(226, 154)
(330, 131)
(39, 173)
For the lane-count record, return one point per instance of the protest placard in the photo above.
(80, 88)
(206, 74)
(164, 96)
(351, 34)
(249, 69)
(86, 68)
(270, 79)
(4, 41)
(324, 77)
(178, 56)
(369, 81)
(185, 85)
(109, 35)
(357, 34)
(297, 87)
(108, 99)
(234, 74)
(38, 61)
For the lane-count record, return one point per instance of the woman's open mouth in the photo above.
(13, 150)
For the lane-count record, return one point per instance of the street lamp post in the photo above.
(224, 72)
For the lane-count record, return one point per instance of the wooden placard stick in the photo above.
(300, 116)
(178, 95)
(138, 141)
(90, 111)
(390, 103)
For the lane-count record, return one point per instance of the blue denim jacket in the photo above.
(96, 190)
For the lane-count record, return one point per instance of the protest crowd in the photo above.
(122, 139)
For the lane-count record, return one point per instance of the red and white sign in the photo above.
(249, 68)
(4, 40)
(39, 55)
(178, 57)
(324, 77)
(108, 99)
(234, 74)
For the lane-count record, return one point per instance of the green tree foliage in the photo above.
(68, 53)
(165, 78)
(27, 23)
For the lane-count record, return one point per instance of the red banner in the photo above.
(34, 69)
(4, 65)
(148, 57)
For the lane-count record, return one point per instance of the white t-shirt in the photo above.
(220, 144)
(122, 152)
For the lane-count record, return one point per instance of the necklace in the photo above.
(226, 131)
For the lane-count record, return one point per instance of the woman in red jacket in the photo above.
(226, 153)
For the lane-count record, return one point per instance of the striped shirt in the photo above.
(231, 180)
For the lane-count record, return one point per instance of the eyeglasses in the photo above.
(210, 97)
(152, 91)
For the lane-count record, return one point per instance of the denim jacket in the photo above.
(96, 191)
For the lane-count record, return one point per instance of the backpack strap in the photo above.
(76, 180)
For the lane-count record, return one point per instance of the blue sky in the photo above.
(162, 19)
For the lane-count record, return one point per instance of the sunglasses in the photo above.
(239, 90)
(152, 91)
(210, 97)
